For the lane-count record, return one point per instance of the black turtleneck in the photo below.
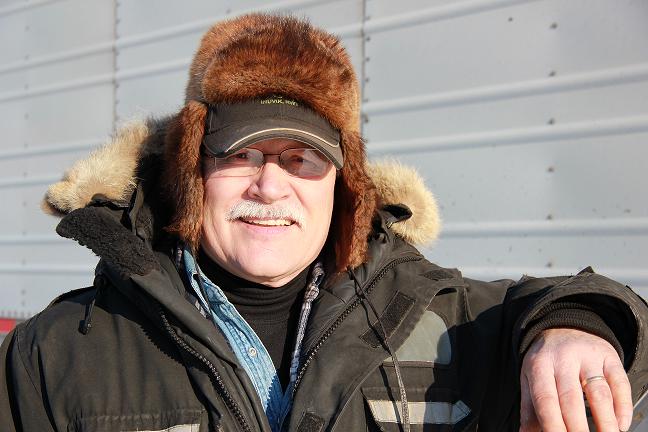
(273, 313)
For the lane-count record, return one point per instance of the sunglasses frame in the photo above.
(219, 169)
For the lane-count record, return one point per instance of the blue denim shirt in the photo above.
(248, 348)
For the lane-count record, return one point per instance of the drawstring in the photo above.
(86, 324)
(383, 336)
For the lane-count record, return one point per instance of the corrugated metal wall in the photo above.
(526, 117)
(56, 102)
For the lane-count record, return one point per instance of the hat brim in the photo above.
(231, 127)
(232, 138)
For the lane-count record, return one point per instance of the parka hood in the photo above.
(114, 170)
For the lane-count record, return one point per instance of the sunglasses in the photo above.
(298, 162)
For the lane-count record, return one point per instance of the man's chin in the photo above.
(269, 277)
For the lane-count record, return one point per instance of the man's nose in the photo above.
(271, 183)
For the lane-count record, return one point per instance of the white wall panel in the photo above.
(24, 216)
(64, 25)
(70, 70)
(143, 16)
(24, 294)
(543, 251)
(528, 119)
(180, 47)
(13, 80)
(14, 131)
(484, 48)
(56, 96)
(71, 115)
(50, 252)
(578, 179)
(141, 97)
(13, 32)
(451, 115)
(37, 166)
(163, 62)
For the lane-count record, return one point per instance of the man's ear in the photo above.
(183, 171)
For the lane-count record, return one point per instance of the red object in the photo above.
(6, 325)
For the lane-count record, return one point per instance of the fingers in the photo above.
(528, 419)
(599, 396)
(621, 392)
(557, 370)
(544, 396)
(570, 395)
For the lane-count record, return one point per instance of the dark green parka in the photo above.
(133, 352)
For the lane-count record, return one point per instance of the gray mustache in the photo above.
(252, 209)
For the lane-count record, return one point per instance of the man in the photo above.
(256, 275)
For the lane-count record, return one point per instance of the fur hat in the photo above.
(258, 55)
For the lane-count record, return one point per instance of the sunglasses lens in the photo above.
(304, 162)
(243, 163)
(298, 162)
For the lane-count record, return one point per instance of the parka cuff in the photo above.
(569, 315)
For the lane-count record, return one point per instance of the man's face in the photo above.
(262, 250)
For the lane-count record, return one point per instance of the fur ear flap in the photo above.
(183, 179)
(355, 205)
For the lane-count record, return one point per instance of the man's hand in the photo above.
(558, 369)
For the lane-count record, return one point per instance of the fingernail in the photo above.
(624, 424)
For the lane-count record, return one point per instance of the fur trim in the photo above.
(260, 54)
(257, 55)
(395, 184)
(243, 58)
(108, 171)
(354, 207)
(183, 179)
(400, 184)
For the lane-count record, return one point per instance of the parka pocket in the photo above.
(180, 420)
(435, 410)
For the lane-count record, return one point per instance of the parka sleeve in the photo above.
(21, 403)
(622, 310)
(520, 306)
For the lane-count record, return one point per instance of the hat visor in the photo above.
(231, 139)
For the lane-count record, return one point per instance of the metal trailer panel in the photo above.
(157, 56)
(56, 101)
(528, 119)
(461, 45)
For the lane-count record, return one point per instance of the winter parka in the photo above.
(134, 353)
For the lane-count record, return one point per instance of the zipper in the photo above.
(220, 386)
(369, 287)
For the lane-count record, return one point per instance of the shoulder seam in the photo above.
(18, 337)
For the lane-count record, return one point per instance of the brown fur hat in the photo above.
(259, 55)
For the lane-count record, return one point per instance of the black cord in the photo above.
(383, 337)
